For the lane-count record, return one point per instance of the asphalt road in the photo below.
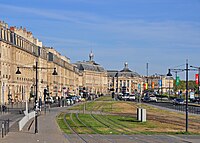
(191, 108)
(132, 139)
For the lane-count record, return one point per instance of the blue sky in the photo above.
(163, 33)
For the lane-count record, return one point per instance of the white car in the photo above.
(49, 100)
(131, 97)
(68, 102)
(153, 98)
(125, 96)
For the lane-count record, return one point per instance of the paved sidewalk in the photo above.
(48, 131)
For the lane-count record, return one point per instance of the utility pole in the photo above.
(186, 108)
(36, 98)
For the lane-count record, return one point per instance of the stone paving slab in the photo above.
(48, 131)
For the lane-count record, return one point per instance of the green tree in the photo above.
(192, 85)
(182, 85)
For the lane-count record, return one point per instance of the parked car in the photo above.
(79, 98)
(119, 96)
(75, 99)
(68, 102)
(125, 96)
(178, 101)
(146, 99)
(153, 98)
(195, 99)
(49, 100)
(131, 97)
(71, 100)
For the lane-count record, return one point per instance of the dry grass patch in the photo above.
(164, 121)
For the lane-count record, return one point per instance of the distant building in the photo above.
(124, 80)
(160, 83)
(94, 76)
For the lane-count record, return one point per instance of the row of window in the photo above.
(13, 38)
(24, 79)
(17, 40)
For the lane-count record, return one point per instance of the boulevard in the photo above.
(93, 71)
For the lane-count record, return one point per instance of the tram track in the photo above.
(73, 130)
(103, 137)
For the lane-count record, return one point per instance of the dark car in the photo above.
(146, 99)
(196, 99)
(178, 101)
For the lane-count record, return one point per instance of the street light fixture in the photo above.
(36, 95)
(18, 71)
(169, 72)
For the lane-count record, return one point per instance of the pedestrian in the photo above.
(113, 95)
(40, 104)
(3, 108)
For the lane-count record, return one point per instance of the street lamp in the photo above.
(186, 107)
(36, 95)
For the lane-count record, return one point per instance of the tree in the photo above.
(182, 85)
(192, 85)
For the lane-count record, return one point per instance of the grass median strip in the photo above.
(114, 124)
(119, 117)
(62, 125)
(95, 125)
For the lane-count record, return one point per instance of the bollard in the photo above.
(8, 125)
(45, 107)
(2, 127)
(5, 127)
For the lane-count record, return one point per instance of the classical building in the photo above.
(94, 77)
(66, 82)
(20, 50)
(124, 80)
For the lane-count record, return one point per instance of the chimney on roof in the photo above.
(12, 29)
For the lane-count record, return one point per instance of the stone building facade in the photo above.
(160, 84)
(124, 80)
(94, 76)
(18, 48)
